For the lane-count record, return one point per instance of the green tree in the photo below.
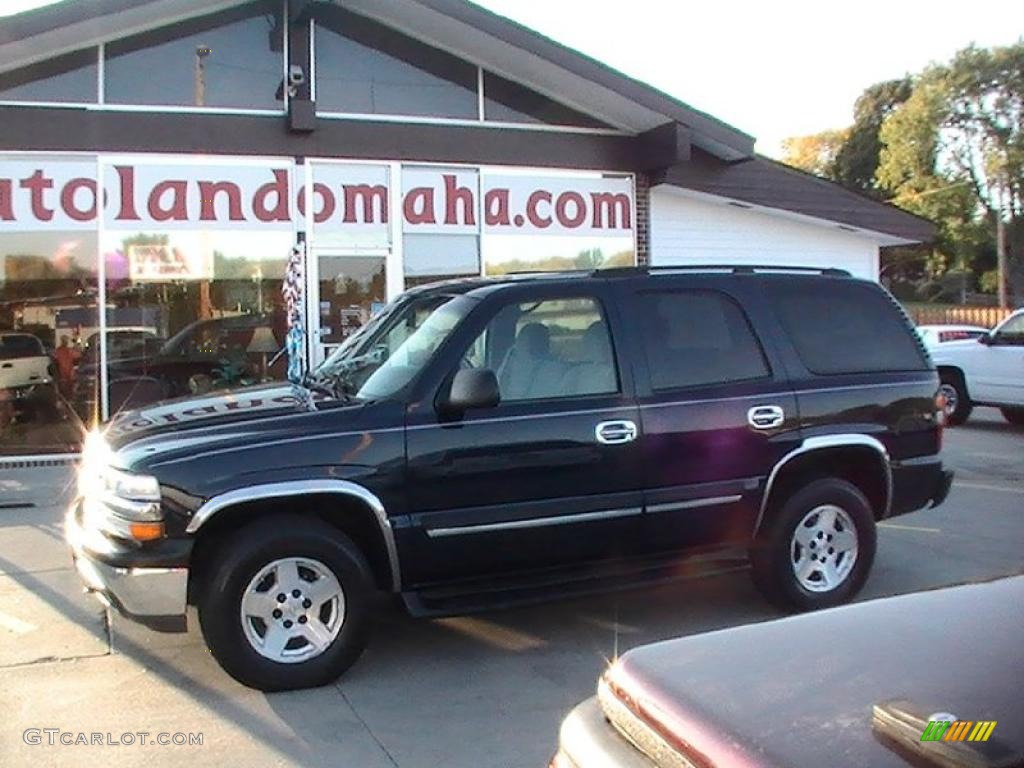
(815, 153)
(856, 160)
(954, 151)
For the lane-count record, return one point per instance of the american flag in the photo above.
(292, 291)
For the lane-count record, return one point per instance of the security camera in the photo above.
(296, 77)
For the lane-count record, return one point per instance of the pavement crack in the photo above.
(369, 730)
(53, 660)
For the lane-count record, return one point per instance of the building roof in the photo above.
(761, 181)
(722, 161)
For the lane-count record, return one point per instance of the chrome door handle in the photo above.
(766, 416)
(615, 432)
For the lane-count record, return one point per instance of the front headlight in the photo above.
(124, 485)
(121, 504)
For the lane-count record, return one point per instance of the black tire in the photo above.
(228, 572)
(962, 405)
(1014, 415)
(773, 550)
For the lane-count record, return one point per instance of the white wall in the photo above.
(692, 230)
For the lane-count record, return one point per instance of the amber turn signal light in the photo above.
(147, 531)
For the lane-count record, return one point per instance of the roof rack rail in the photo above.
(736, 269)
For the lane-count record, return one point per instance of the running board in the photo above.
(544, 586)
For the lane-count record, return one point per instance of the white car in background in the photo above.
(988, 370)
(933, 335)
(24, 363)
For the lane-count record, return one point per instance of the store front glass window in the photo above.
(65, 79)
(189, 312)
(432, 258)
(363, 67)
(48, 302)
(507, 254)
(351, 290)
(232, 59)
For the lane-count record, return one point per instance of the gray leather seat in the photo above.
(595, 373)
(530, 350)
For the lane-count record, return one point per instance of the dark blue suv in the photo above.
(492, 441)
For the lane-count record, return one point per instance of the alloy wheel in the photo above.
(823, 549)
(292, 610)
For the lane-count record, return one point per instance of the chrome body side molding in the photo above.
(825, 442)
(304, 488)
(534, 522)
(710, 501)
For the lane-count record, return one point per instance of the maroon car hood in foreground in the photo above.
(800, 691)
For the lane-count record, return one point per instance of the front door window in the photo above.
(349, 290)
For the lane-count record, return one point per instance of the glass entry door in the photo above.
(345, 290)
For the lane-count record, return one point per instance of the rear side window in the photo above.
(696, 338)
(19, 345)
(845, 327)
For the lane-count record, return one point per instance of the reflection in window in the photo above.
(214, 321)
(352, 289)
(438, 257)
(64, 79)
(238, 51)
(508, 254)
(509, 102)
(365, 68)
(48, 310)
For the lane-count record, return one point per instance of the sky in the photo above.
(774, 68)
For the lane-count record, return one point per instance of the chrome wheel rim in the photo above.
(949, 392)
(823, 549)
(292, 610)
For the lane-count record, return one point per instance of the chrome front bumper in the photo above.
(155, 597)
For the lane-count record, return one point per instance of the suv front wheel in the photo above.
(817, 549)
(286, 604)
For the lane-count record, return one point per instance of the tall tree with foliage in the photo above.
(856, 161)
(954, 151)
(815, 153)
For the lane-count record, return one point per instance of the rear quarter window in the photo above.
(16, 345)
(845, 327)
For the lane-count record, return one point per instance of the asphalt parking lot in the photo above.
(487, 690)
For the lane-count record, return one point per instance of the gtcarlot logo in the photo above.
(53, 737)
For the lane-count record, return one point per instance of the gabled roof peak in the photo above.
(491, 41)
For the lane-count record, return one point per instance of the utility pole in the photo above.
(202, 53)
(1001, 271)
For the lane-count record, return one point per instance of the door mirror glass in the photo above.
(473, 388)
(985, 339)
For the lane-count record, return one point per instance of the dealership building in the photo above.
(161, 161)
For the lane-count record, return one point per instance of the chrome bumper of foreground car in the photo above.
(154, 597)
(587, 740)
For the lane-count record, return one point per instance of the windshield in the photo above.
(392, 349)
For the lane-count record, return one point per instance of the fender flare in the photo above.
(826, 442)
(293, 488)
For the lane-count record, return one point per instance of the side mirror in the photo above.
(473, 388)
(986, 339)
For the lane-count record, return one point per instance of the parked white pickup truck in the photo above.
(24, 363)
(986, 371)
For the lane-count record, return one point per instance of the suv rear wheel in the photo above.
(817, 549)
(958, 403)
(286, 604)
